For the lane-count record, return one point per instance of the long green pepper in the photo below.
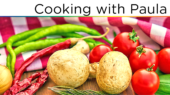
(23, 35)
(18, 37)
(62, 29)
(62, 34)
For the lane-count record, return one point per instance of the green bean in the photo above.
(17, 37)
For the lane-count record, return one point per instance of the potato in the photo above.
(114, 73)
(68, 68)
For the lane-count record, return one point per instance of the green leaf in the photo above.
(114, 34)
(159, 72)
(157, 51)
(132, 36)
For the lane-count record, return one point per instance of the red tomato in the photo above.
(145, 82)
(97, 53)
(124, 43)
(164, 60)
(143, 61)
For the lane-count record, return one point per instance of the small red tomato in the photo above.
(164, 60)
(145, 82)
(97, 52)
(126, 42)
(143, 58)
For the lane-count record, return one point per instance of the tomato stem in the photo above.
(151, 68)
(140, 50)
(114, 48)
(132, 36)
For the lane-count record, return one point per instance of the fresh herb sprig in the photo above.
(63, 90)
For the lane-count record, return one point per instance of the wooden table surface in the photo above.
(89, 84)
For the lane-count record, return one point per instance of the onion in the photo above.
(5, 79)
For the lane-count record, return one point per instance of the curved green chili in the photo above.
(58, 29)
(24, 35)
(61, 34)
(17, 37)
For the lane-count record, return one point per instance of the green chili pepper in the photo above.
(59, 29)
(24, 35)
(61, 34)
(76, 35)
(18, 37)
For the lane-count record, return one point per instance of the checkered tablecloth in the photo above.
(153, 31)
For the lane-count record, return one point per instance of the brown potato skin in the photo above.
(114, 73)
(68, 68)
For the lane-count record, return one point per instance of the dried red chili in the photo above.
(24, 83)
(35, 86)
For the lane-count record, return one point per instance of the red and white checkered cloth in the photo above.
(153, 31)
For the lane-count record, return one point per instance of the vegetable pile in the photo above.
(114, 67)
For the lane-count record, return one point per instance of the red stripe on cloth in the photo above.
(167, 39)
(19, 61)
(6, 29)
(145, 27)
(167, 23)
(90, 23)
(115, 21)
(59, 20)
(147, 19)
(125, 28)
(44, 61)
(33, 22)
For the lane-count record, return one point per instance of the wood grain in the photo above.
(89, 84)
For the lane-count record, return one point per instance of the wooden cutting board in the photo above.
(89, 84)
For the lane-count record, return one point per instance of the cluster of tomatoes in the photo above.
(143, 61)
